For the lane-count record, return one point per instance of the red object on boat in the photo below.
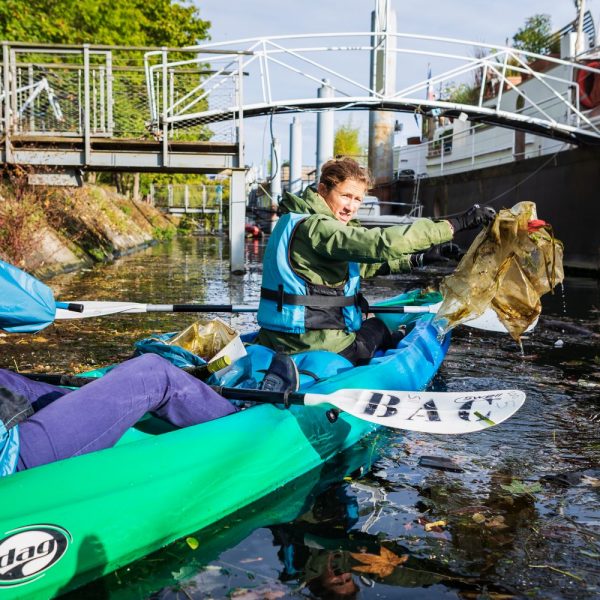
(253, 231)
(589, 85)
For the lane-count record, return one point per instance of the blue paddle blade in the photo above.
(26, 304)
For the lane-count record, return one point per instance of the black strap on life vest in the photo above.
(14, 408)
(313, 301)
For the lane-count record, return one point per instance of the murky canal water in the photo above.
(521, 519)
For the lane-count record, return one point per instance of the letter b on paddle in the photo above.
(382, 405)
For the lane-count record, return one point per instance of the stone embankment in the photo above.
(50, 230)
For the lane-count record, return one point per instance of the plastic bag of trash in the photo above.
(509, 266)
(210, 340)
(196, 345)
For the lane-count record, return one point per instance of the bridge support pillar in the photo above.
(237, 220)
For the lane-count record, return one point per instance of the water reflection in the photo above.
(522, 520)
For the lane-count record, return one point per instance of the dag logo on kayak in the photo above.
(29, 551)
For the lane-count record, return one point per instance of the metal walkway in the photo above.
(180, 110)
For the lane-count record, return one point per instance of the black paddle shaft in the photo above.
(285, 398)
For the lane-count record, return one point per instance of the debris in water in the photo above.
(440, 462)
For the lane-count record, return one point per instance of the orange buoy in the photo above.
(589, 85)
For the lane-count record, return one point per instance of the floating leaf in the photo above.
(593, 481)
(381, 565)
(496, 522)
(192, 542)
(435, 526)
(518, 488)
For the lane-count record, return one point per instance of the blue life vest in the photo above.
(291, 304)
(9, 449)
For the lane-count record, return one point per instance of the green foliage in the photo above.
(346, 142)
(461, 93)
(164, 233)
(131, 23)
(187, 226)
(534, 35)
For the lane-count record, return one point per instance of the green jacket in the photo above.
(322, 247)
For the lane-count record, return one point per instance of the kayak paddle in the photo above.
(26, 304)
(488, 321)
(427, 412)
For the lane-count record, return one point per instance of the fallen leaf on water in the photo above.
(381, 565)
(192, 542)
(496, 522)
(435, 525)
(593, 481)
(262, 593)
(518, 488)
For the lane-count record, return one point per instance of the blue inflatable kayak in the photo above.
(67, 523)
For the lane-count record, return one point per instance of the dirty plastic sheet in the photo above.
(507, 268)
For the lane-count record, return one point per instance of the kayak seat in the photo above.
(248, 371)
(317, 365)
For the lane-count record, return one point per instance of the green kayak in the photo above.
(70, 522)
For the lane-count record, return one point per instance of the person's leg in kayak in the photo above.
(95, 416)
(372, 336)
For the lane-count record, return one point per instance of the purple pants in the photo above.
(68, 423)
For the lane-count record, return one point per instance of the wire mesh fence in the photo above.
(70, 91)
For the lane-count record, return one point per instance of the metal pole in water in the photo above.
(383, 83)
(295, 185)
(276, 171)
(325, 134)
(237, 220)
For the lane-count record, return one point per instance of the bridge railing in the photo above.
(50, 90)
(202, 201)
(423, 74)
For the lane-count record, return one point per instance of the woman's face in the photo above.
(344, 199)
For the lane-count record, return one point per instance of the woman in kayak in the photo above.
(42, 423)
(317, 254)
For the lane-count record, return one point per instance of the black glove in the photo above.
(436, 255)
(475, 217)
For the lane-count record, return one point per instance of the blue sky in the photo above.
(475, 20)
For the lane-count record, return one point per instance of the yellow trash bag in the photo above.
(210, 340)
(509, 266)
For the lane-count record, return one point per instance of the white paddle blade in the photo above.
(96, 308)
(428, 412)
(489, 321)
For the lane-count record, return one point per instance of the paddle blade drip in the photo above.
(508, 268)
(26, 304)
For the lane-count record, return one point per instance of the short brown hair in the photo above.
(336, 170)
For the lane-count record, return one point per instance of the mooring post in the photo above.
(237, 220)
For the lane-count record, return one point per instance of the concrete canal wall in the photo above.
(50, 230)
